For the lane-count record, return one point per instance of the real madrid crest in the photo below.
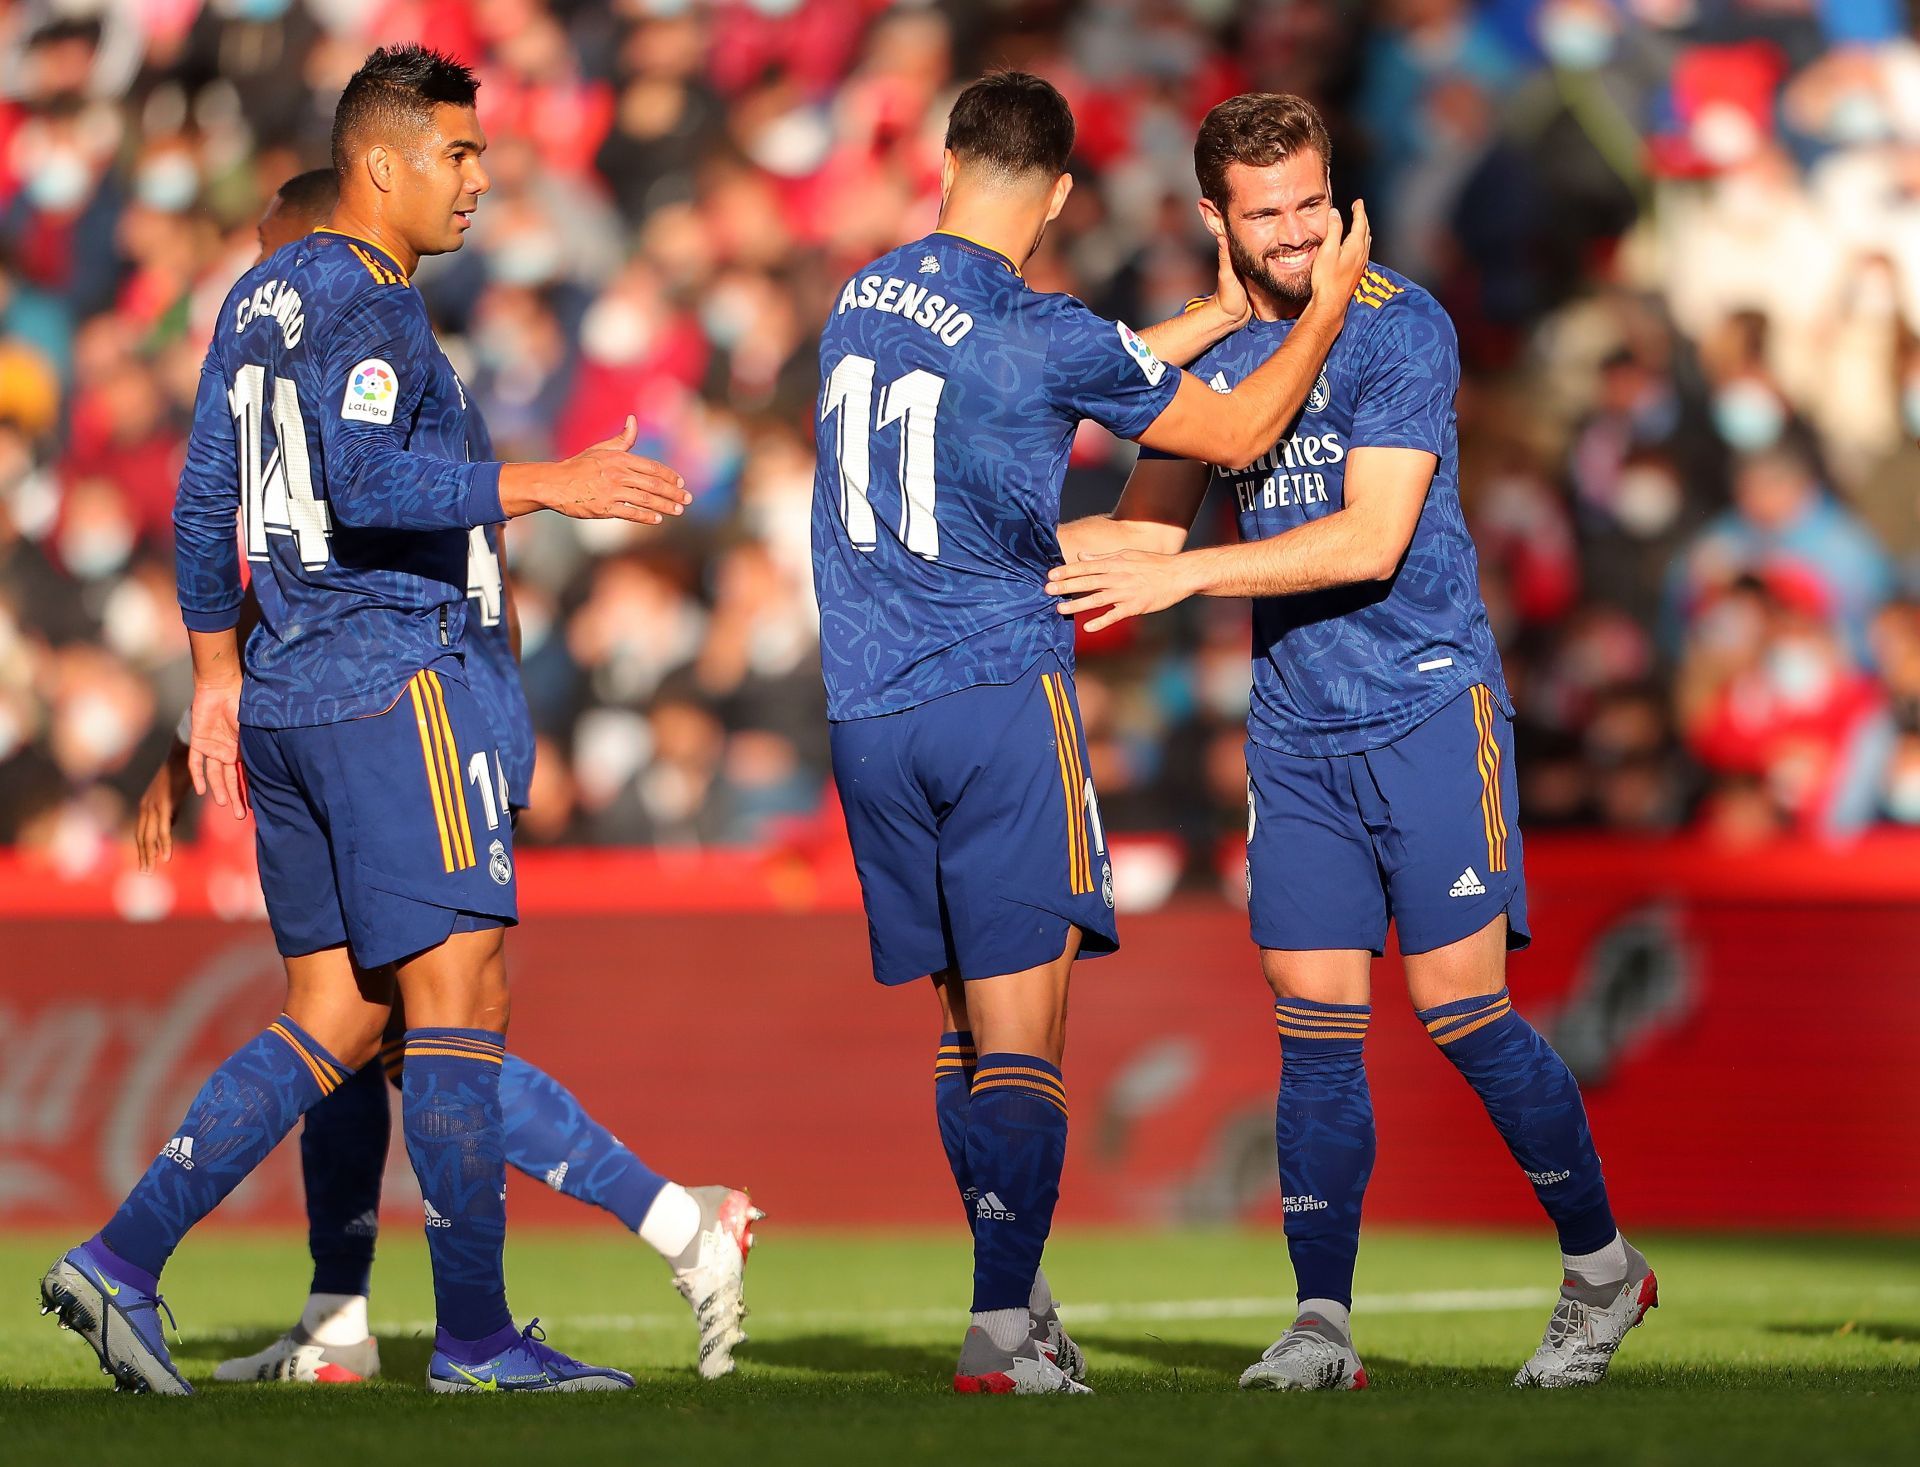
(1321, 395)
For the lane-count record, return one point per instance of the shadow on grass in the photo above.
(1221, 1362)
(839, 1354)
(1894, 1333)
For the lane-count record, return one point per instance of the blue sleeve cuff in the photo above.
(211, 621)
(480, 502)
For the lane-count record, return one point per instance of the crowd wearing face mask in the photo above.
(1680, 240)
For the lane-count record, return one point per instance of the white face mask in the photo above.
(1647, 502)
(95, 551)
(97, 729)
(1576, 38)
(169, 183)
(1903, 797)
(59, 181)
(615, 332)
(1800, 671)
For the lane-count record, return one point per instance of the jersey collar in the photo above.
(988, 249)
(360, 244)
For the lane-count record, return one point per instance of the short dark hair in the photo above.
(1012, 123)
(312, 194)
(1257, 129)
(396, 89)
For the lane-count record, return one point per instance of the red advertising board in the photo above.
(1746, 1028)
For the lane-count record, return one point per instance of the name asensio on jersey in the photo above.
(902, 298)
(277, 301)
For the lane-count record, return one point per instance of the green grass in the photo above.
(1764, 1350)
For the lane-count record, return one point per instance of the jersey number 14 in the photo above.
(912, 401)
(276, 497)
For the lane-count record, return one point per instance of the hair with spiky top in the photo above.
(1014, 124)
(393, 95)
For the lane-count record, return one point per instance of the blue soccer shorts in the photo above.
(975, 830)
(1423, 832)
(383, 832)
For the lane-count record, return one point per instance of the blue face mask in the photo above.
(1910, 409)
(1748, 416)
(169, 183)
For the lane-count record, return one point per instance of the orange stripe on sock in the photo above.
(465, 1054)
(1480, 1023)
(1021, 1085)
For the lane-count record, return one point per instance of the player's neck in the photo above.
(347, 219)
(1270, 307)
(1008, 232)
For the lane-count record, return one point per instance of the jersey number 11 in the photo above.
(912, 401)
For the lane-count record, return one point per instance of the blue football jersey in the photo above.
(492, 670)
(949, 396)
(327, 406)
(1353, 668)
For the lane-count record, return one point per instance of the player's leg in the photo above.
(108, 1287)
(704, 1233)
(343, 1159)
(425, 868)
(1026, 888)
(1459, 896)
(954, 1063)
(1317, 908)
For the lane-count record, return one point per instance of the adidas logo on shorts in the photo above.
(1469, 884)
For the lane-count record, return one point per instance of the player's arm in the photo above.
(1156, 512)
(375, 482)
(207, 573)
(159, 807)
(1183, 339)
(1364, 540)
(1234, 428)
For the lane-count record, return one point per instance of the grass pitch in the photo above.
(1764, 1350)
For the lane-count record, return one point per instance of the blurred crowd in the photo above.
(1680, 239)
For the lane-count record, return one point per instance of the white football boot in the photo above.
(987, 1370)
(1054, 1341)
(297, 1356)
(713, 1280)
(1311, 1356)
(1587, 1325)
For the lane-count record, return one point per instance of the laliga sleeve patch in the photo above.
(372, 390)
(1151, 367)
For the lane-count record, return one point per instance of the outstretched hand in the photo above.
(610, 482)
(213, 752)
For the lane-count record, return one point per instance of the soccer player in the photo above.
(703, 1232)
(950, 394)
(1379, 752)
(368, 762)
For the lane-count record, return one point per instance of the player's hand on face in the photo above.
(213, 753)
(1228, 291)
(609, 482)
(1126, 583)
(1342, 259)
(160, 808)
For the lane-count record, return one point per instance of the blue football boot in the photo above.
(118, 1318)
(528, 1364)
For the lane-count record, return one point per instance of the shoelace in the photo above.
(159, 1306)
(1295, 1342)
(536, 1341)
(1569, 1320)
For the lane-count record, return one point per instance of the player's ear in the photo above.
(1062, 186)
(949, 170)
(380, 161)
(1211, 216)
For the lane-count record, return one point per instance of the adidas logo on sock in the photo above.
(557, 1178)
(991, 1209)
(1469, 884)
(434, 1220)
(367, 1225)
(180, 1149)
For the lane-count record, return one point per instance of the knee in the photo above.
(346, 1032)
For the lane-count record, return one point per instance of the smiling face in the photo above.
(1275, 219)
(436, 181)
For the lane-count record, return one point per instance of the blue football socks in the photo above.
(1534, 1103)
(953, 1068)
(549, 1135)
(343, 1157)
(451, 1116)
(1016, 1145)
(1323, 1131)
(243, 1111)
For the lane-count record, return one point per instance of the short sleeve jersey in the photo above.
(322, 355)
(1353, 668)
(950, 394)
(492, 670)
